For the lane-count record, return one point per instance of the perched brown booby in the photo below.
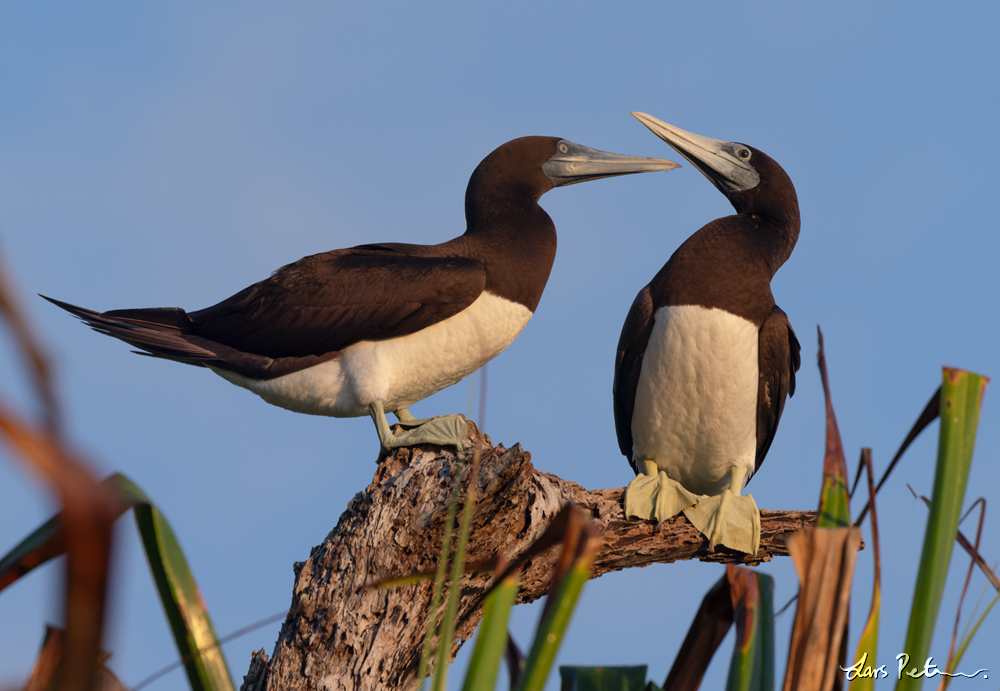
(376, 328)
(706, 359)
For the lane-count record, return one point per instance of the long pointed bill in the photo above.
(573, 163)
(718, 160)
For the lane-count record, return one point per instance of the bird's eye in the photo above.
(563, 148)
(743, 153)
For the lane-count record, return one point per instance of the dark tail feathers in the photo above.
(159, 331)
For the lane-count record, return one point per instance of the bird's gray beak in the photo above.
(573, 163)
(718, 160)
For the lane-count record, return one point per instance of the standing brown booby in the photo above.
(706, 359)
(376, 328)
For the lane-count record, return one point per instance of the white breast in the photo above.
(696, 402)
(398, 371)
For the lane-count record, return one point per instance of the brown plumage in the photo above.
(728, 264)
(308, 313)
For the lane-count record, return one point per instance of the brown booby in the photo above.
(706, 358)
(378, 327)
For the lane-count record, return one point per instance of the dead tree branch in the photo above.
(342, 635)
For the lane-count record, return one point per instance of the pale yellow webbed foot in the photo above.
(728, 519)
(444, 430)
(654, 496)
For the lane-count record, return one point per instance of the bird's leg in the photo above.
(728, 518)
(404, 415)
(444, 430)
(653, 495)
(377, 413)
(407, 420)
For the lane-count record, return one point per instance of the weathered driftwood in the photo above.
(342, 635)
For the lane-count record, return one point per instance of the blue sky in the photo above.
(171, 155)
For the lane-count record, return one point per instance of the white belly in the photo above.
(696, 402)
(398, 371)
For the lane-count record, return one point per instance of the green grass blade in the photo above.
(961, 397)
(48, 541)
(491, 641)
(425, 657)
(766, 631)
(196, 641)
(552, 629)
(454, 591)
(449, 527)
(189, 621)
(752, 664)
(862, 675)
(834, 502)
(186, 612)
(834, 511)
(603, 678)
(968, 639)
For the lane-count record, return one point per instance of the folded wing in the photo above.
(779, 361)
(305, 313)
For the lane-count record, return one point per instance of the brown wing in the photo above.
(306, 312)
(628, 365)
(779, 361)
(325, 302)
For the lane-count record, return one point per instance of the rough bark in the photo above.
(342, 635)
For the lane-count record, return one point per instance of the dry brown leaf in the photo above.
(824, 560)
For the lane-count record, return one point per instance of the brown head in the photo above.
(519, 172)
(752, 181)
